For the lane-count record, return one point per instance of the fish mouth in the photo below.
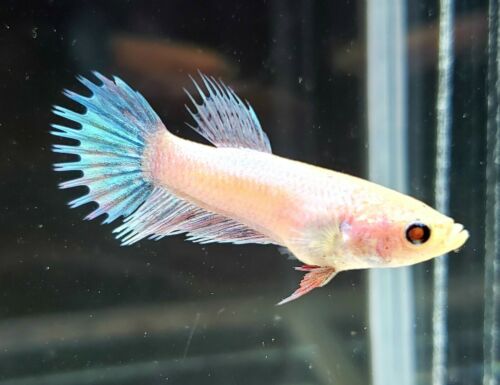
(458, 236)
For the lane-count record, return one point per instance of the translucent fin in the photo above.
(111, 139)
(224, 119)
(164, 214)
(316, 276)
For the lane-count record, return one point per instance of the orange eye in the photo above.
(418, 233)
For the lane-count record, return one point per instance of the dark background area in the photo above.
(76, 308)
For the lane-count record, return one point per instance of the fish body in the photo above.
(238, 191)
(297, 205)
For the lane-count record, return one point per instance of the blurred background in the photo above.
(76, 308)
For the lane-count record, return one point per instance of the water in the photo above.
(76, 308)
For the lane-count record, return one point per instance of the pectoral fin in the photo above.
(316, 277)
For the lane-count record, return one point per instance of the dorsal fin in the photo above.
(224, 119)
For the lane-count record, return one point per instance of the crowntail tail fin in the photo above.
(114, 131)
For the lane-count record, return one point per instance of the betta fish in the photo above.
(236, 191)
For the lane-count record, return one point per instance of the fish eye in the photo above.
(418, 233)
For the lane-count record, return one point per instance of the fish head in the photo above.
(402, 234)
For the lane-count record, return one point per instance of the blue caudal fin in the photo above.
(112, 137)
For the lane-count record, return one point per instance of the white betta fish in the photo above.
(237, 191)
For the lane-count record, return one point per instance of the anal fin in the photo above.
(164, 214)
(316, 276)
